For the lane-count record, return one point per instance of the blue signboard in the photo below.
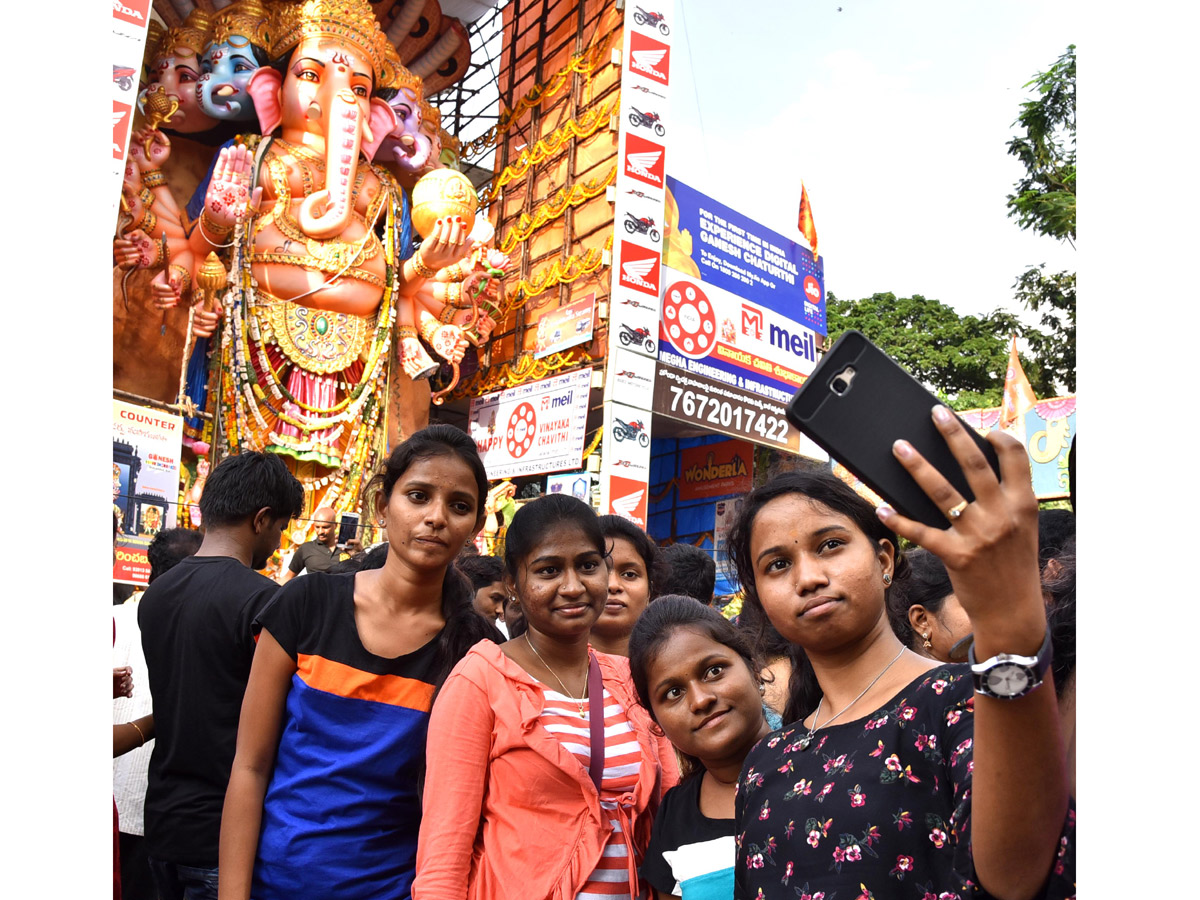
(747, 259)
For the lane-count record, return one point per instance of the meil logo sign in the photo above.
(752, 322)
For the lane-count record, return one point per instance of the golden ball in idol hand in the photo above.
(441, 194)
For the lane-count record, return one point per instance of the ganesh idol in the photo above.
(318, 236)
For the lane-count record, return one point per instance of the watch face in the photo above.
(1008, 680)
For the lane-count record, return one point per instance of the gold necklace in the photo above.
(579, 700)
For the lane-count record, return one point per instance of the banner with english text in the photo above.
(146, 448)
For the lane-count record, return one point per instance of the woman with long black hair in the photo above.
(898, 775)
(324, 797)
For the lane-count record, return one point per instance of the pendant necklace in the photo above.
(807, 739)
(579, 700)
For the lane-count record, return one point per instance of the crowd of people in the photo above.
(577, 720)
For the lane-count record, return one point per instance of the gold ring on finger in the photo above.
(956, 510)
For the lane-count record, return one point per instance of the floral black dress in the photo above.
(874, 809)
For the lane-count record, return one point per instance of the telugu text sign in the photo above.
(533, 428)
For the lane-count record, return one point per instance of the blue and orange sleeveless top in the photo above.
(342, 809)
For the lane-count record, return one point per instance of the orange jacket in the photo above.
(508, 811)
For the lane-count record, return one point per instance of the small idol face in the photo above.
(225, 72)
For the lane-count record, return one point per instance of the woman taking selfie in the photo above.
(900, 776)
(633, 557)
(323, 798)
(543, 772)
(696, 674)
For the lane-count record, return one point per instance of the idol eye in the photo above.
(308, 75)
(360, 91)
(243, 67)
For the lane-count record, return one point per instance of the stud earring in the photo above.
(927, 645)
(887, 579)
(762, 688)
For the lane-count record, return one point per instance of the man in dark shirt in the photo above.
(196, 636)
(319, 554)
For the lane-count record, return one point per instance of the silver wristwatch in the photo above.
(1008, 676)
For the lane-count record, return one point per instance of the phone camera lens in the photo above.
(839, 385)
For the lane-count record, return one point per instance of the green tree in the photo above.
(961, 358)
(1044, 202)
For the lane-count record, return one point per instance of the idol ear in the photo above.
(379, 125)
(265, 87)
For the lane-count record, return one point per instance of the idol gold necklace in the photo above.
(807, 739)
(579, 700)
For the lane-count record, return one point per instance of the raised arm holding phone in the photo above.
(899, 772)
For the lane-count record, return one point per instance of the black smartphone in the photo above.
(347, 528)
(856, 403)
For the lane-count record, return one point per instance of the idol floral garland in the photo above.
(245, 398)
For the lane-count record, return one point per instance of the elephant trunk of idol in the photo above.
(326, 213)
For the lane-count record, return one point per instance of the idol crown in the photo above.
(350, 20)
(247, 18)
(192, 34)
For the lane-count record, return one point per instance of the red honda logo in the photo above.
(135, 12)
(649, 57)
(644, 160)
(640, 268)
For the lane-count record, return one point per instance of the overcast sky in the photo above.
(896, 115)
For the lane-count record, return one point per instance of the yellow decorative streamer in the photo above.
(554, 207)
(591, 448)
(591, 121)
(523, 368)
(559, 272)
(583, 63)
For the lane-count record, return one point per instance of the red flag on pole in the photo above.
(1018, 395)
(806, 225)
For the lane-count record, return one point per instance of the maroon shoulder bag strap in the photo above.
(596, 716)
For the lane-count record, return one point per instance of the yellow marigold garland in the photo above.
(558, 272)
(583, 63)
(587, 124)
(554, 207)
